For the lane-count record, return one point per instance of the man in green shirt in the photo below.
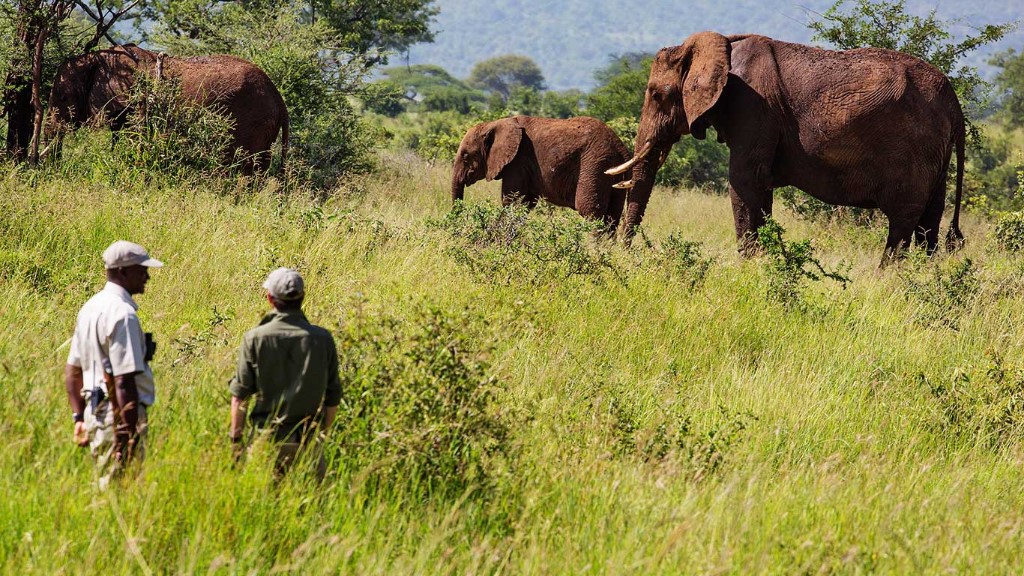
(291, 368)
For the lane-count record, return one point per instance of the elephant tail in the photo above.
(955, 238)
(284, 136)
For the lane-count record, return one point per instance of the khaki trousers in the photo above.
(100, 427)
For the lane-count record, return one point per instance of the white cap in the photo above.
(285, 284)
(122, 254)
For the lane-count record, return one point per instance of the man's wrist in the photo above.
(77, 417)
(235, 439)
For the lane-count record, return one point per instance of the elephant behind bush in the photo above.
(95, 87)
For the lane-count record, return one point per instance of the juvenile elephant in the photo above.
(870, 128)
(561, 161)
(96, 86)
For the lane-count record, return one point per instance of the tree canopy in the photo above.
(502, 74)
(376, 29)
(370, 31)
(422, 79)
(621, 86)
(1010, 85)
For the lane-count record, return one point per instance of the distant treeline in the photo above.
(570, 39)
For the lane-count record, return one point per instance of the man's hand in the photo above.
(81, 434)
(237, 450)
(238, 409)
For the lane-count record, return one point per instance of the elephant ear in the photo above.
(705, 77)
(502, 144)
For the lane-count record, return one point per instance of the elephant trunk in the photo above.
(458, 186)
(640, 193)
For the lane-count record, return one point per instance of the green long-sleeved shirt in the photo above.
(290, 366)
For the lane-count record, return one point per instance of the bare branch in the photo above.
(104, 22)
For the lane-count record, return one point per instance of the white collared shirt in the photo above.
(108, 333)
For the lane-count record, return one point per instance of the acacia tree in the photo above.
(374, 30)
(427, 87)
(367, 32)
(502, 74)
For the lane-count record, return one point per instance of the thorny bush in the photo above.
(1009, 231)
(672, 437)
(165, 135)
(508, 244)
(985, 408)
(944, 293)
(790, 264)
(420, 408)
(684, 260)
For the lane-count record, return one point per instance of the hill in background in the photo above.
(570, 39)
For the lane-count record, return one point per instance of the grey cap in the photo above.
(122, 254)
(285, 284)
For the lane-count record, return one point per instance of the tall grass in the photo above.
(668, 417)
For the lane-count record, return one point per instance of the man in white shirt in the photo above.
(108, 378)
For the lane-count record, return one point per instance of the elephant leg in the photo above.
(901, 231)
(616, 204)
(927, 231)
(261, 161)
(515, 191)
(597, 200)
(749, 212)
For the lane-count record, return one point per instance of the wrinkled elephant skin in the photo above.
(561, 161)
(869, 128)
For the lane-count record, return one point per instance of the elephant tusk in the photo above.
(623, 167)
(626, 184)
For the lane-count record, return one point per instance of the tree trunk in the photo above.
(19, 116)
(18, 89)
(638, 196)
(37, 81)
(37, 21)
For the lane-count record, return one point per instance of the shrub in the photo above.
(1009, 231)
(944, 294)
(420, 408)
(330, 144)
(165, 135)
(684, 260)
(503, 245)
(788, 264)
(672, 437)
(985, 409)
(443, 132)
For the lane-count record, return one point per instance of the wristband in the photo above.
(77, 417)
(236, 439)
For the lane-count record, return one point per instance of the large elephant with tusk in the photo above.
(870, 128)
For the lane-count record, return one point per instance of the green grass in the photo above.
(653, 427)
